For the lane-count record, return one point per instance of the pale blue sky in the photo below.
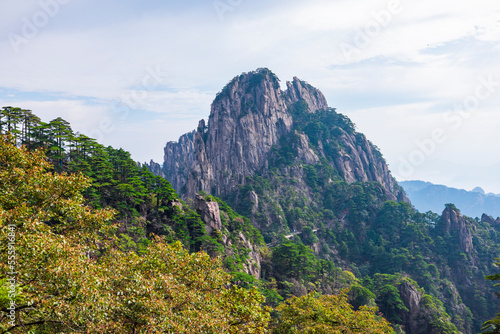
(136, 74)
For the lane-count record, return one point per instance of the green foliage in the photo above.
(294, 260)
(324, 124)
(360, 295)
(356, 226)
(360, 226)
(235, 223)
(308, 237)
(492, 326)
(451, 206)
(327, 314)
(390, 290)
(255, 78)
(74, 275)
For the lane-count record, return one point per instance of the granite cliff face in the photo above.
(247, 119)
(357, 161)
(209, 213)
(155, 168)
(178, 159)
(454, 224)
(421, 314)
(298, 90)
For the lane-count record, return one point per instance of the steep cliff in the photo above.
(248, 118)
(178, 160)
(155, 168)
(454, 225)
(298, 90)
(424, 315)
(464, 241)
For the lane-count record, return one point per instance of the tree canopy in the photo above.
(327, 314)
(68, 273)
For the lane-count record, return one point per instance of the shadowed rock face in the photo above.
(453, 223)
(248, 117)
(415, 321)
(155, 168)
(178, 159)
(419, 318)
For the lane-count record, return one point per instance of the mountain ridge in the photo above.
(427, 196)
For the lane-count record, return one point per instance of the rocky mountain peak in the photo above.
(489, 219)
(248, 118)
(299, 90)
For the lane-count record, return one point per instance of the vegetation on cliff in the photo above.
(84, 259)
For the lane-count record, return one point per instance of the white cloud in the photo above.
(146, 140)
(176, 104)
(405, 132)
(83, 117)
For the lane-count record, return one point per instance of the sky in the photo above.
(420, 78)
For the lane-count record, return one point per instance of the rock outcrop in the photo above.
(489, 219)
(178, 160)
(358, 161)
(422, 316)
(299, 90)
(247, 119)
(304, 151)
(454, 224)
(155, 168)
(414, 320)
(209, 213)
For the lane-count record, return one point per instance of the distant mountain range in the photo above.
(426, 196)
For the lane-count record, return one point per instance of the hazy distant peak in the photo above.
(478, 190)
(427, 196)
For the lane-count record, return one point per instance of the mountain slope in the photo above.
(310, 183)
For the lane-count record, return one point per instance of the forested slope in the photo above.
(101, 245)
